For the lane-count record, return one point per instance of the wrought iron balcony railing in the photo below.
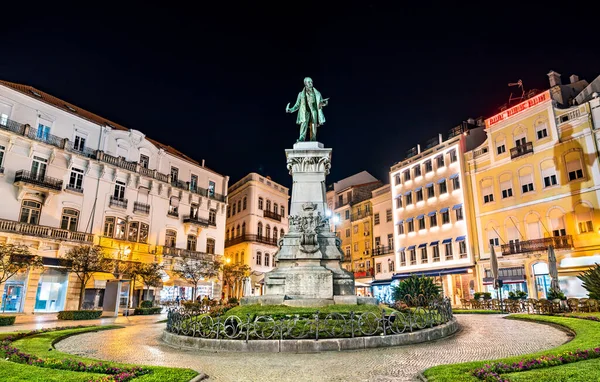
(272, 215)
(194, 219)
(521, 150)
(44, 231)
(38, 179)
(74, 188)
(180, 252)
(173, 213)
(383, 250)
(117, 202)
(537, 245)
(248, 237)
(141, 208)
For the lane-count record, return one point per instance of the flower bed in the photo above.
(79, 314)
(7, 320)
(491, 372)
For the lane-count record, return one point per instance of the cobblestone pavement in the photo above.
(481, 337)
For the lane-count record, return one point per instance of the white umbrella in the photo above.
(247, 287)
(495, 271)
(552, 269)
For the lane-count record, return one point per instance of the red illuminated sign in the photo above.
(542, 97)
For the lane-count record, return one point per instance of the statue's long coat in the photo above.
(303, 108)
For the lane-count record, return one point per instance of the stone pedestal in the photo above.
(308, 271)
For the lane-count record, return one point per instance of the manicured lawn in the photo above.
(282, 310)
(41, 345)
(582, 315)
(587, 336)
(584, 371)
(476, 311)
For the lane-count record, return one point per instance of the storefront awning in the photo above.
(381, 282)
(432, 273)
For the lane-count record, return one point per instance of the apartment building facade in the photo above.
(384, 257)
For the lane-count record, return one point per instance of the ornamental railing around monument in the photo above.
(413, 317)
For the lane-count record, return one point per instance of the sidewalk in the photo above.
(40, 321)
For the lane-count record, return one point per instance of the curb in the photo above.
(199, 377)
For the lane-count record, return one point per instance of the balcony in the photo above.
(24, 177)
(537, 245)
(247, 237)
(367, 273)
(81, 150)
(383, 250)
(173, 214)
(74, 188)
(13, 126)
(195, 220)
(339, 204)
(117, 202)
(521, 150)
(272, 215)
(180, 252)
(360, 215)
(141, 208)
(45, 232)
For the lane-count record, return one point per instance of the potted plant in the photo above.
(487, 296)
(478, 296)
(556, 296)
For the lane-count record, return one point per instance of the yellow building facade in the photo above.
(362, 241)
(534, 184)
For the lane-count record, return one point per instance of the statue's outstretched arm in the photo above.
(296, 106)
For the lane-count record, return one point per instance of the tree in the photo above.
(194, 270)
(233, 275)
(15, 259)
(415, 286)
(84, 261)
(151, 275)
(591, 281)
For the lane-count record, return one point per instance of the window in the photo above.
(399, 202)
(455, 183)
(144, 160)
(541, 131)
(119, 192)
(435, 250)
(402, 258)
(259, 229)
(38, 167)
(462, 249)
(355, 247)
(268, 206)
(133, 231)
(79, 143)
(417, 171)
(244, 203)
(520, 140)
(526, 179)
(258, 258)
(144, 229)
(43, 130)
(448, 250)
(275, 232)
(3, 119)
(109, 226)
(430, 191)
(260, 203)
(234, 208)
(355, 229)
(170, 238)
(408, 198)
(584, 218)
(424, 255)
(433, 219)
(237, 230)
(487, 192)
(347, 232)
(440, 161)
(391, 266)
(459, 213)
(210, 246)
(120, 229)
(281, 233)
(192, 242)
(442, 186)
(421, 223)
(243, 228)
(228, 211)
(1, 155)
(428, 166)
(500, 148)
(574, 168)
(493, 239)
(347, 214)
(194, 182)
(267, 258)
(348, 254)
(411, 226)
(453, 156)
(366, 227)
(30, 212)
(239, 205)
(340, 200)
(406, 175)
(282, 210)
(76, 179)
(174, 205)
(506, 188)
(376, 219)
(268, 231)
(549, 174)
(211, 189)
(397, 180)
(445, 216)
(401, 228)
(174, 174)
(419, 194)
(413, 256)
(378, 268)
(388, 215)
(275, 208)
(378, 242)
(69, 219)
(212, 216)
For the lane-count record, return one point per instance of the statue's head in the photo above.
(308, 82)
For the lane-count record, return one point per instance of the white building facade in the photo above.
(384, 255)
(71, 177)
(257, 218)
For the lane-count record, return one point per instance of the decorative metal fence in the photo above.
(418, 314)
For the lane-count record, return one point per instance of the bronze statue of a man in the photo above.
(309, 105)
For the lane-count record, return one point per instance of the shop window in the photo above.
(120, 229)
(144, 230)
(51, 291)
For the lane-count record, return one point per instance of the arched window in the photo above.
(549, 176)
(227, 237)
(260, 203)
(244, 203)
(268, 208)
(239, 204)
(275, 232)
(210, 246)
(69, 219)
(275, 208)
(506, 185)
(268, 231)
(242, 257)
(30, 212)
(574, 165)
(192, 241)
(258, 258)
(237, 231)
(259, 229)
(557, 222)
(584, 214)
(526, 179)
(170, 238)
(532, 226)
(267, 258)
(282, 233)
(243, 228)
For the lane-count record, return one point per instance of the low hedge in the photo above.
(79, 314)
(146, 311)
(146, 304)
(7, 320)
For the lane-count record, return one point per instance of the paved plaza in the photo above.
(481, 337)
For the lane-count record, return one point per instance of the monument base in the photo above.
(307, 302)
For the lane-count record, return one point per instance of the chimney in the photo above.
(554, 78)
(574, 78)
(202, 162)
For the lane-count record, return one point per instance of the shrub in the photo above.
(477, 295)
(7, 320)
(233, 301)
(147, 311)
(555, 295)
(79, 314)
(518, 295)
(192, 305)
(146, 304)
(487, 295)
(591, 281)
(219, 310)
(415, 286)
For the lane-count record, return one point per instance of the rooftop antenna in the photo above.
(522, 97)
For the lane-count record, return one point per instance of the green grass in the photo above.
(581, 314)
(476, 311)
(40, 345)
(282, 310)
(587, 336)
(583, 371)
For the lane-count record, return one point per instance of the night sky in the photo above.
(214, 82)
